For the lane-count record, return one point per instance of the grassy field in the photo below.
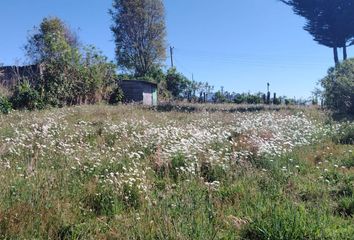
(128, 172)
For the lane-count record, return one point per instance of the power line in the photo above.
(267, 55)
(260, 61)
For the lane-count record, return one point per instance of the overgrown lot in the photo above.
(126, 172)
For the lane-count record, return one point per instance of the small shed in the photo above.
(139, 91)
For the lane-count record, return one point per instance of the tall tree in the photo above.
(329, 22)
(139, 31)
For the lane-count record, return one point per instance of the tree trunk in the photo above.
(345, 55)
(335, 53)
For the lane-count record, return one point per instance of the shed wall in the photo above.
(139, 91)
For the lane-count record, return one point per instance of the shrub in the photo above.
(346, 206)
(339, 88)
(116, 95)
(77, 78)
(248, 98)
(219, 97)
(5, 105)
(345, 134)
(26, 97)
(176, 82)
(289, 101)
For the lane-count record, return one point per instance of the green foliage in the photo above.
(102, 203)
(176, 83)
(177, 162)
(70, 75)
(116, 96)
(329, 22)
(173, 85)
(284, 222)
(346, 206)
(26, 97)
(289, 101)
(238, 98)
(43, 41)
(78, 78)
(91, 172)
(345, 134)
(231, 193)
(219, 97)
(139, 30)
(248, 98)
(96, 77)
(131, 197)
(5, 105)
(68, 232)
(339, 88)
(157, 76)
(211, 173)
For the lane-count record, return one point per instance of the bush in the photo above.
(176, 82)
(289, 101)
(345, 134)
(5, 105)
(26, 97)
(116, 95)
(339, 88)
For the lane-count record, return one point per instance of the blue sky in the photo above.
(240, 45)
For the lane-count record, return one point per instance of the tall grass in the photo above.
(128, 172)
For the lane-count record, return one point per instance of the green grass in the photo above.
(93, 174)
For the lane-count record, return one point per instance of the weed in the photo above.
(178, 163)
(346, 206)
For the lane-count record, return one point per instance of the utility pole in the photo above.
(171, 53)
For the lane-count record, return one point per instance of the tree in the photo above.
(177, 83)
(50, 40)
(71, 74)
(219, 97)
(338, 88)
(329, 22)
(78, 78)
(139, 31)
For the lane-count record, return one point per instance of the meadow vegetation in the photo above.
(129, 172)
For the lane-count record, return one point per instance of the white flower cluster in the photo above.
(120, 152)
